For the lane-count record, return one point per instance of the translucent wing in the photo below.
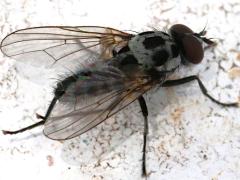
(92, 106)
(52, 46)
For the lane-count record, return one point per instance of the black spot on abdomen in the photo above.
(160, 57)
(153, 42)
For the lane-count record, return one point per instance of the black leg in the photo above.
(50, 108)
(144, 109)
(24, 129)
(202, 87)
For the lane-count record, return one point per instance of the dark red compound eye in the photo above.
(193, 50)
(191, 45)
(180, 30)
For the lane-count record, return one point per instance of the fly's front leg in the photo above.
(202, 87)
(144, 109)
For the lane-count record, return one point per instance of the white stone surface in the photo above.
(190, 137)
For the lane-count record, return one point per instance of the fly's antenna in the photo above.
(204, 31)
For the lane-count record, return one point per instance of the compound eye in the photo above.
(193, 50)
(179, 29)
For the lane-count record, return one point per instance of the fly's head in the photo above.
(191, 44)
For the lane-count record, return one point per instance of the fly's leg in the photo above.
(24, 129)
(50, 108)
(202, 87)
(59, 91)
(144, 109)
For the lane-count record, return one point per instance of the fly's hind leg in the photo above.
(202, 87)
(144, 109)
(24, 129)
(50, 108)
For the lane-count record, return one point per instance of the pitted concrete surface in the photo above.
(190, 137)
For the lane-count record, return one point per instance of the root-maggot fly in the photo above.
(117, 69)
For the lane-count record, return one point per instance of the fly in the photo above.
(113, 69)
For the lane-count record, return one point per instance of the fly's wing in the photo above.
(57, 46)
(89, 109)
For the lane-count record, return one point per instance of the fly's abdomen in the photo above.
(93, 87)
(90, 83)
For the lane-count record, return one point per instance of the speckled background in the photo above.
(190, 137)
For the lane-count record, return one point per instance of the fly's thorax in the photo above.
(155, 49)
(129, 64)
